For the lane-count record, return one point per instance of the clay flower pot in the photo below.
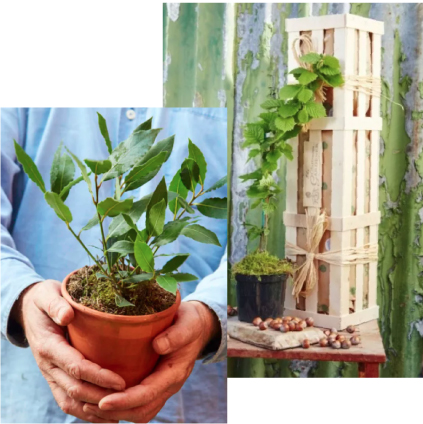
(122, 344)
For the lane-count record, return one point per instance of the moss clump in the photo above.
(262, 263)
(98, 293)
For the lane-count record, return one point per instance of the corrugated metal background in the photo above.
(234, 55)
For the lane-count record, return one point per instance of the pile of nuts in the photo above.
(232, 311)
(284, 324)
(337, 341)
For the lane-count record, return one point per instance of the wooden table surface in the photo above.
(370, 349)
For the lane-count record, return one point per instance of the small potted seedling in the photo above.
(261, 277)
(123, 300)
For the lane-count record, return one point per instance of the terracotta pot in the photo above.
(122, 344)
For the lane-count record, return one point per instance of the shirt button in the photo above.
(130, 114)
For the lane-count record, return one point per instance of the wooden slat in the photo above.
(292, 63)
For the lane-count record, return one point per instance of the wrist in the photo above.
(210, 323)
(19, 306)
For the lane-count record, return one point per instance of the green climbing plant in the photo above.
(284, 117)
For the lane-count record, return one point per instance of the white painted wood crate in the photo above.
(348, 143)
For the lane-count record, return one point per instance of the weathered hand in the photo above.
(73, 380)
(181, 344)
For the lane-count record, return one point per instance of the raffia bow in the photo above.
(306, 277)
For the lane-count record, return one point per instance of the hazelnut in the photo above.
(351, 329)
(334, 330)
(326, 333)
(309, 321)
(257, 321)
(230, 310)
(277, 326)
(291, 326)
(284, 328)
(271, 323)
(336, 344)
(333, 335)
(263, 325)
(324, 342)
(298, 327)
(346, 344)
(355, 340)
(331, 340)
(268, 320)
(295, 320)
(288, 318)
(278, 319)
(305, 344)
(340, 338)
(303, 324)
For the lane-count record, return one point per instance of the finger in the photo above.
(60, 353)
(158, 385)
(186, 329)
(75, 408)
(52, 302)
(78, 389)
(138, 415)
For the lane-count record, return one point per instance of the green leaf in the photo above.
(257, 192)
(333, 81)
(139, 278)
(123, 247)
(307, 77)
(171, 231)
(104, 132)
(168, 283)
(62, 211)
(253, 134)
(144, 255)
(285, 124)
(177, 186)
(160, 193)
(181, 202)
(218, 184)
(253, 153)
(155, 218)
(305, 95)
(214, 207)
(165, 145)
(251, 176)
(303, 117)
(201, 234)
(129, 152)
(145, 126)
(62, 172)
(112, 207)
(137, 176)
(29, 167)
(269, 166)
(273, 156)
(196, 154)
(289, 91)
(288, 109)
(311, 58)
(130, 223)
(119, 226)
(83, 170)
(329, 71)
(98, 167)
(297, 71)
(315, 110)
(190, 174)
(174, 263)
(182, 277)
(293, 133)
(65, 191)
(331, 62)
(91, 223)
(268, 117)
(270, 104)
(121, 301)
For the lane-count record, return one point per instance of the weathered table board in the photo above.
(369, 353)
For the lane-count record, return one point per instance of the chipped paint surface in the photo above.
(242, 51)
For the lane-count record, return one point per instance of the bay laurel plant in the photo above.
(129, 253)
(284, 118)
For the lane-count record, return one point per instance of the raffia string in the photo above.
(306, 276)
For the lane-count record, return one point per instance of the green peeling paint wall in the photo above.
(234, 56)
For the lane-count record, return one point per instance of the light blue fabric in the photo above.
(36, 245)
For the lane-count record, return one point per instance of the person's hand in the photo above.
(182, 343)
(42, 311)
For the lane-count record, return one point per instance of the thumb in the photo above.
(50, 300)
(185, 330)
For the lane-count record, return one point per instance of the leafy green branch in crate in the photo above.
(284, 118)
(129, 253)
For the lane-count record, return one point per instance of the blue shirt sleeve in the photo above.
(212, 292)
(17, 272)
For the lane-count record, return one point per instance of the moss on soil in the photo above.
(262, 263)
(98, 293)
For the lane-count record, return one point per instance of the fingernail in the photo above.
(162, 344)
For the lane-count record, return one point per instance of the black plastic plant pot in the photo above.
(260, 296)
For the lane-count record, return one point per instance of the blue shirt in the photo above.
(36, 245)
